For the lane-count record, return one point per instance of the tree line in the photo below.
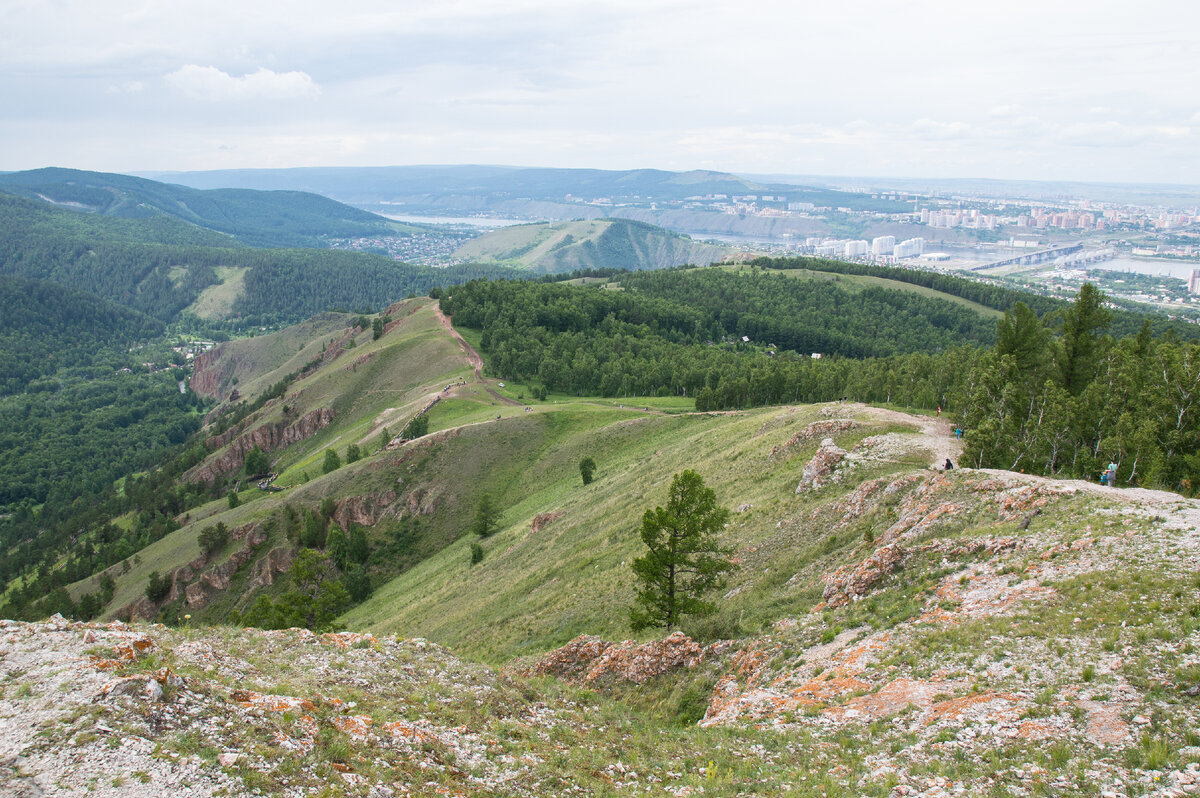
(1055, 393)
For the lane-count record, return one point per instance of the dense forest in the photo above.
(1055, 394)
(988, 294)
(639, 341)
(73, 437)
(46, 327)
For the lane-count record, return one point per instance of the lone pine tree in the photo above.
(685, 560)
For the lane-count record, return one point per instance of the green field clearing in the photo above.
(216, 301)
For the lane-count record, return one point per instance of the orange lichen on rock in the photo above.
(354, 725)
(852, 660)
(1037, 730)
(271, 703)
(122, 653)
(588, 658)
(848, 582)
(892, 699)
(828, 686)
(344, 640)
(996, 706)
(406, 730)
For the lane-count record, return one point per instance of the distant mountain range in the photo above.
(553, 194)
(383, 183)
(259, 218)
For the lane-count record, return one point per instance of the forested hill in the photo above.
(1122, 322)
(46, 327)
(1066, 392)
(260, 218)
(160, 266)
(590, 244)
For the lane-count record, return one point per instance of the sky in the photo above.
(1047, 90)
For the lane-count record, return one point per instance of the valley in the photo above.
(386, 547)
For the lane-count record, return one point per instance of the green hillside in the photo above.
(277, 218)
(595, 244)
(164, 267)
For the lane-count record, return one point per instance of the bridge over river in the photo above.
(1031, 258)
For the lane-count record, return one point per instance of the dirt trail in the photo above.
(468, 350)
(938, 432)
(472, 356)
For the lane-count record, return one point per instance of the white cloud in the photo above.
(210, 83)
(938, 130)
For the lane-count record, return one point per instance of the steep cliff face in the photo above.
(267, 437)
(212, 371)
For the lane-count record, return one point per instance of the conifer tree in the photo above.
(685, 560)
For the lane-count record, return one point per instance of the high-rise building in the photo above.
(883, 245)
(1194, 283)
(910, 248)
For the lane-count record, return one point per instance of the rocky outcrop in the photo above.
(423, 500)
(588, 658)
(542, 520)
(218, 577)
(143, 609)
(211, 372)
(183, 575)
(364, 510)
(811, 432)
(850, 582)
(277, 561)
(334, 350)
(819, 470)
(267, 437)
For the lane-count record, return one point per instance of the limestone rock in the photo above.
(820, 468)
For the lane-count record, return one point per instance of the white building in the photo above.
(910, 248)
(856, 249)
(883, 245)
(1194, 283)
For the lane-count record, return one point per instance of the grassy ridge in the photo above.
(535, 591)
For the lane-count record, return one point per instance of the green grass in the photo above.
(216, 301)
(535, 591)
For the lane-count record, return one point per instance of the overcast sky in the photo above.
(1054, 89)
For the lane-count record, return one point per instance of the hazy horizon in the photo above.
(925, 91)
